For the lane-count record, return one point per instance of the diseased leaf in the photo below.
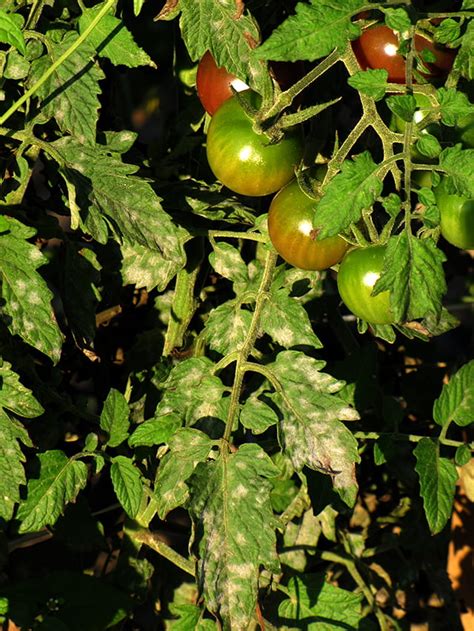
(464, 60)
(413, 273)
(234, 531)
(27, 308)
(14, 396)
(60, 480)
(114, 418)
(127, 484)
(111, 39)
(229, 34)
(148, 268)
(438, 478)
(313, 32)
(456, 401)
(188, 447)
(320, 606)
(286, 321)
(227, 327)
(354, 189)
(193, 391)
(110, 196)
(311, 430)
(79, 292)
(227, 262)
(12, 475)
(71, 94)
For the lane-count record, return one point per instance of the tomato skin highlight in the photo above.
(290, 225)
(457, 217)
(244, 160)
(359, 271)
(377, 48)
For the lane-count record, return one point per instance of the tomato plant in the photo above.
(290, 226)
(456, 217)
(359, 271)
(246, 161)
(377, 47)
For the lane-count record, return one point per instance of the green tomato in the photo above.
(291, 230)
(244, 160)
(359, 271)
(456, 217)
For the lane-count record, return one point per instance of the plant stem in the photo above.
(164, 550)
(250, 236)
(106, 7)
(413, 438)
(250, 338)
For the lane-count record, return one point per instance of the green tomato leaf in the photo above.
(127, 483)
(438, 478)
(235, 531)
(14, 396)
(10, 31)
(313, 32)
(458, 163)
(114, 418)
(311, 430)
(402, 106)
(257, 416)
(187, 447)
(148, 268)
(319, 606)
(27, 299)
(111, 39)
(12, 474)
(428, 145)
(413, 273)
(287, 322)
(373, 83)
(16, 67)
(155, 431)
(397, 19)
(58, 482)
(448, 31)
(354, 189)
(456, 401)
(463, 455)
(71, 94)
(454, 106)
(464, 60)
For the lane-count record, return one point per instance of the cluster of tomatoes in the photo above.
(258, 167)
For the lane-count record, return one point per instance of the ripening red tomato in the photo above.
(291, 230)
(377, 47)
(214, 85)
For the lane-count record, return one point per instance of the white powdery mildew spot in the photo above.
(34, 298)
(243, 571)
(285, 336)
(28, 326)
(241, 491)
(14, 306)
(21, 286)
(240, 539)
(35, 254)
